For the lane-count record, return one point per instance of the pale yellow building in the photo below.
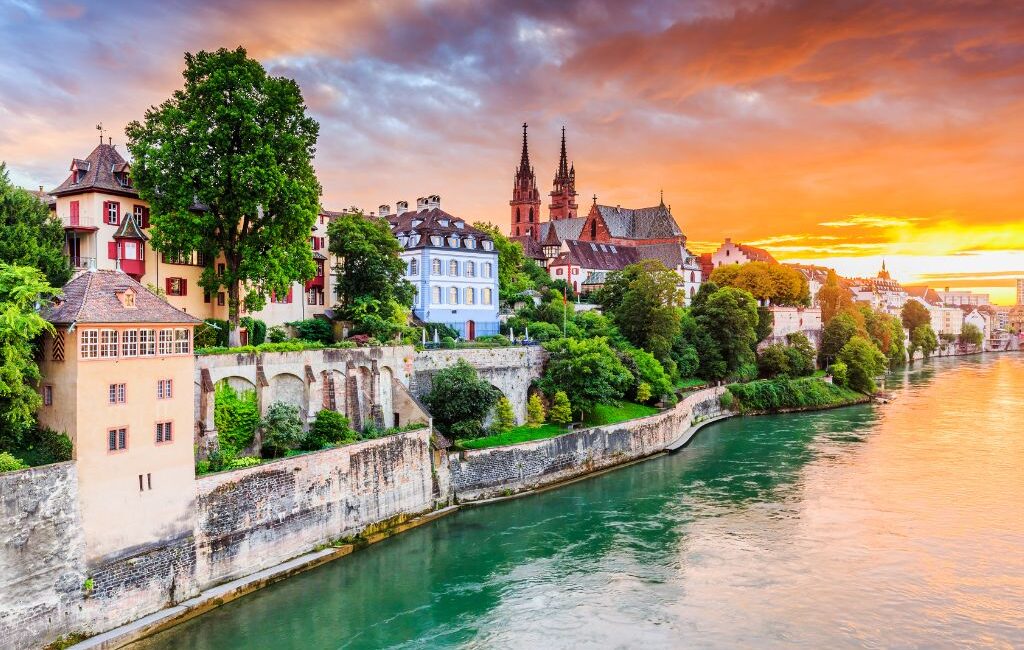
(106, 224)
(118, 378)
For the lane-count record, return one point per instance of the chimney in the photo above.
(434, 201)
(728, 240)
(40, 188)
(384, 210)
(421, 204)
(401, 207)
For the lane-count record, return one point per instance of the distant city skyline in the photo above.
(827, 135)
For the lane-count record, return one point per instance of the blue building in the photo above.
(453, 266)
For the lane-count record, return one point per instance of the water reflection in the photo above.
(892, 526)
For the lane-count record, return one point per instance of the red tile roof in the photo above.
(91, 297)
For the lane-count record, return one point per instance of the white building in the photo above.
(452, 265)
(982, 321)
(958, 298)
(790, 320)
(730, 253)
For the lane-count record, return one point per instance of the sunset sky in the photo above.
(833, 132)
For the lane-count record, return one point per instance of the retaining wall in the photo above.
(487, 473)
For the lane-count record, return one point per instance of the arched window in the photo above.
(470, 270)
(593, 229)
(531, 215)
(435, 296)
(414, 266)
(453, 296)
(453, 268)
(519, 217)
(485, 296)
(470, 296)
(435, 267)
(693, 276)
(693, 292)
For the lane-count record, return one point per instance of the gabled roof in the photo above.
(925, 293)
(430, 222)
(671, 255)
(755, 254)
(639, 223)
(99, 168)
(531, 248)
(564, 228)
(129, 229)
(597, 256)
(91, 297)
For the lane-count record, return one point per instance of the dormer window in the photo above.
(436, 240)
(443, 222)
(453, 242)
(79, 175)
(416, 222)
(469, 242)
(488, 245)
(415, 239)
(127, 298)
(460, 224)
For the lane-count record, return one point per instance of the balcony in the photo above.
(79, 262)
(80, 224)
(318, 281)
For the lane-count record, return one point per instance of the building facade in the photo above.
(106, 227)
(452, 265)
(117, 377)
(963, 298)
(732, 253)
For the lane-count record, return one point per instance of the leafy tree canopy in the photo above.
(863, 363)
(725, 337)
(459, 400)
(29, 234)
(923, 338)
(226, 165)
(370, 275)
(516, 272)
(769, 283)
(587, 370)
(971, 335)
(642, 301)
(914, 314)
(832, 297)
(21, 289)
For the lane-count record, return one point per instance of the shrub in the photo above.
(244, 461)
(220, 459)
(277, 334)
(504, 418)
(442, 330)
(535, 411)
(561, 409)
(840, 375)
(775, 394)
(467, 430)
(280, 429)
(457, 395)
(643, 392)
(315, 329)
(9, 463)
(494, 339)
(42, 446)
(329, 428)
(773, 361)
(257, 330)
(448, 343)
(236, 417)
(211, 333)
(864, 362)
(727, 401)
(202, 467)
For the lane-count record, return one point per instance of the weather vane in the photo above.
(99, 127)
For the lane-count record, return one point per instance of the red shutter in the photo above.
(167, 286)
(117, 212)
(184, 287)
(106, 210)
(288, 298)
(112, 250)
(145, 217)
(74, 213)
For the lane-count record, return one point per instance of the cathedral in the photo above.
(582, 250)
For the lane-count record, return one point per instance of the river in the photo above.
(896, 525)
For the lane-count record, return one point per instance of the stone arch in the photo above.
(340, 393)
(386, 397)
(240, 384)
(290, 389)
(365, 394)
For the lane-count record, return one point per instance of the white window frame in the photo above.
(469, 296)
(108, 344)
(435, 296)
(89, 344)
(485, 296)
(130, 343)
(470, 269)
(453, 268)
(453, 295)
(182, 341)
(166, 342)
(435, 267)
(147, 343)
(414, 267)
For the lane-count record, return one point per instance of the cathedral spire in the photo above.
(563, 161)
(524, 163)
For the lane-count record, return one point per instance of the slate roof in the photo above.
(639, 223)
(91, 297)
(671, 255)
(43, 196)
(595, 278)
(129, 229)
(99, 173)
(430, 222)
(598, 256)
(531, 248)
(564, 228)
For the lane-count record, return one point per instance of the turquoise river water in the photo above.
(882, 526)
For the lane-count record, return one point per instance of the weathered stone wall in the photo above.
(511, 370)
(486, 473)
(254, 518)
(42, 555)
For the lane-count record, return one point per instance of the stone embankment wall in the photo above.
(486, 473)
(42, 555)
(255, 518)
(511, 370)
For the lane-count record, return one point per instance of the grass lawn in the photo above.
(610, 414)
(518, 434)
(691, 382)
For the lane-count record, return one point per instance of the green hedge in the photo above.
(778, 394)
(286, 346)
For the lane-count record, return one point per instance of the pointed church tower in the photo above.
(563, 196)
(525, 198)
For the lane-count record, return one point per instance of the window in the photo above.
(469, 242)
(453, 268)
(176, 287)
(164, 388)
(436, 240)
(108, 343)
(281, 299)
(141, 215)
(485, 296)
(221, 301)
(558, 271)
(453, 296)
(116, 394)
(487, 269)
(130, 341)
(90, 344)
(435, 295)
(47, 395)
(220, 269)
(131, 250)
(182, 341)
(166, 342)
(470, 270)
(469, 296)
(163, 431)
(147, 343)
(414, 267)
(435, 267)
(206, 297)
(117, 439)
(112, 211)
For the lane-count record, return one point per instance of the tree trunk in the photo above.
(234, 335)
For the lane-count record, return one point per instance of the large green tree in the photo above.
(29, 234)
(914, 314)
(227, 166)
(371, 284)
(642, 300)
(971, 335)
(773, 284)
(838, 331)
(587, 370)
(459, 400)
(726, 322)
(22, 288)
(863, 363)
(923, 338)
(516, 272)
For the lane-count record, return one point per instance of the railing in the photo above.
(79, 262)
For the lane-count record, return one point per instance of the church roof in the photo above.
(639, 223)
(99, 168)
(530, 247)
(595, 255)
(564, 228)
(91, 297)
